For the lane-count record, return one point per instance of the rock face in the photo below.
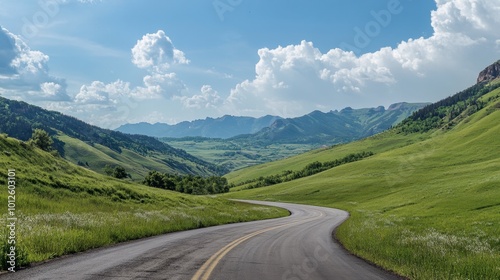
(490, 73)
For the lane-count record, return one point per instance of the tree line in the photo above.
(442, 113)
(189, 184)
(308, 170)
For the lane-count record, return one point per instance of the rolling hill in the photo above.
(426, 204)
(94, 147)
(61, 208)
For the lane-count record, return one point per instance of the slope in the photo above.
(426, 204)
(94, 147)
(62, 208)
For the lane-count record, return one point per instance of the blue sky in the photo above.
(111, 62)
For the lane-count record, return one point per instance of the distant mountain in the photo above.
(94, 147)
(335, 126)
(223, 127)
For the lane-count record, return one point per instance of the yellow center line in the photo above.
(208, 267)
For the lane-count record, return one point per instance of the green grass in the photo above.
(98, 156)
(62, 208)
(377, 144)
(424, 206)
(235, 154)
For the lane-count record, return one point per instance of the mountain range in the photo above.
(223, 127)
(335, 126)
(316, 127)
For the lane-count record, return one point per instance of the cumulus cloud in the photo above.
(160, 85)
(24, 72)
(117, 102)
(156, 52)
(156, 86)
(208, 98)
(296, 79)
(100, 93)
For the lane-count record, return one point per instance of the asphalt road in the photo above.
(298, 247)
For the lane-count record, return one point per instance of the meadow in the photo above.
(238, 153)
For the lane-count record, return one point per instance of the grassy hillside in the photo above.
(96, 157)
(95, 147)
(377, 144)
(426, 205)
(62, 208)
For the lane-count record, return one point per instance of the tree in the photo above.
(117, 172)
(41, 139)
(154, 179)
(120, 172)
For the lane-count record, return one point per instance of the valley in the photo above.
(243, 140)
(284, 138)
(421, 195)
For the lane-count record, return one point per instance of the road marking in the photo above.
(208, 267)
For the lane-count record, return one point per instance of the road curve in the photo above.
(297, 247)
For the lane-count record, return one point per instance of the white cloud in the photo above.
(159, 85)
(296, 79)
(100, 93)
(117, 102)
(289, 80)
(209, 98)
(51, 89)
(156, 52)
(25, 73)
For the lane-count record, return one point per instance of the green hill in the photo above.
(62, 208)
(94, 148)
(427, 204)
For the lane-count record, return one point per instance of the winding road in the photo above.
(297, 247)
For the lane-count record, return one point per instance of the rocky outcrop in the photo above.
(490, 73)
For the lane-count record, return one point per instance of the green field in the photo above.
(426, 205)
(62, 208)
(236, 154)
